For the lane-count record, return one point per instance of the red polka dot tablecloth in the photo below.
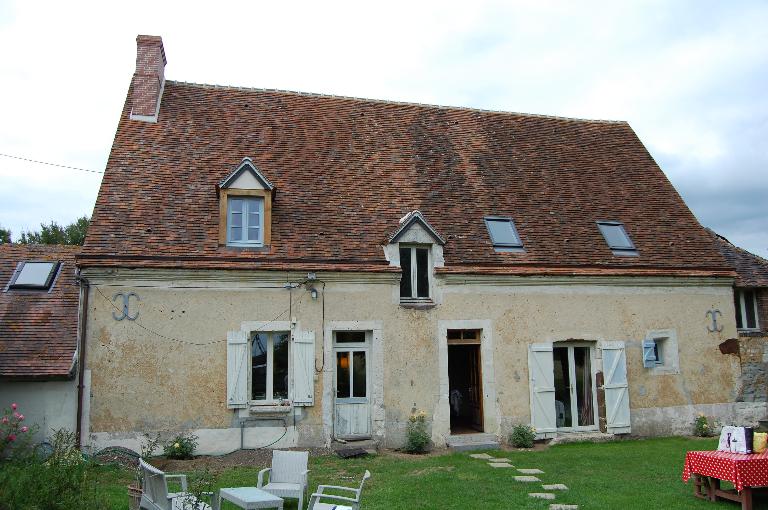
(743, 470)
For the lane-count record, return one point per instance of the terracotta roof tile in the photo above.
(38, 329)
(752, 270)
(346, 170)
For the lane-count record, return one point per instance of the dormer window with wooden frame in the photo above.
(245, 208)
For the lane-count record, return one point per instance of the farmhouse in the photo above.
(279, 268)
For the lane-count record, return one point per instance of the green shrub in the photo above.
(417, 437)
(701, 426)
(63, 481)
(522, 436)
(181, 447)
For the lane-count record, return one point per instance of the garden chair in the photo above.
(354, 503)
(156, 495)
(287, 476)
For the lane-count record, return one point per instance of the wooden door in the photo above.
(475, 387)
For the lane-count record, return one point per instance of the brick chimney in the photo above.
(149, 78)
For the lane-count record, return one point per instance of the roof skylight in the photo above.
(503, 234)
(617, 238)
(34, 275)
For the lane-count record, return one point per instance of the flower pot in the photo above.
(134, 497)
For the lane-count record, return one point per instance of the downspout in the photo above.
(81, 362)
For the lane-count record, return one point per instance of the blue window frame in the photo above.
(245, 221)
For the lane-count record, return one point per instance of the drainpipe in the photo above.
(81, 362)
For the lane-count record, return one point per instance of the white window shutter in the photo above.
(237, 369)
(616, 388)
(304, 369)
(542, 385)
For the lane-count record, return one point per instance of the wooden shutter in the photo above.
(542, 385)
(616, 388)
(238, 364)
(304, 368)
(649, 356)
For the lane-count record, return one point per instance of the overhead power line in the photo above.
(51, 164)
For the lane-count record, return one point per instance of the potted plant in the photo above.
(148, 447)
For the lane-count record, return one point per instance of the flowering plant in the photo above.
(11, 428)
(417, 437)
(181, 447)
(701, 426)
(522, 436)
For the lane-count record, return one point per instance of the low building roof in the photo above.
(38, 328)
(751, 269)
(345, 170)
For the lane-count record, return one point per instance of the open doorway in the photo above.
(575, 395)
(465, 381)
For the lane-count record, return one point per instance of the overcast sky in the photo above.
(690, 77)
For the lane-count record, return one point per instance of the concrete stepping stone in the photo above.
(531, 471)
(500, 465)
(557, 506)
(526, 479)
(555, 487)
(483, 456)
(542, 495)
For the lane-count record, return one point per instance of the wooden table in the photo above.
(745, 471)
(250, 498)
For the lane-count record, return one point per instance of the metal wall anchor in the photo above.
(126, 304)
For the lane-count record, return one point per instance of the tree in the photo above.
(53, 233)
(5, 236)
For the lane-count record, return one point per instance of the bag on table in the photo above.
(759, 442)
(735, 439)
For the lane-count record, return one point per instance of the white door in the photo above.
(542, 388)
(352, 409)
(616, 388)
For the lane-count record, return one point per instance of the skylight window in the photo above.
(503, 234)
(34, 275)
(617, 238)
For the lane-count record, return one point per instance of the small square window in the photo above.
(350, 337)
(503, 234)
(617, 238)
(34, 275)
(660, 352)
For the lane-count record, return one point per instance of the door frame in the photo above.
(477, 343)
(353, 347)
(571, 372)
(326, 366)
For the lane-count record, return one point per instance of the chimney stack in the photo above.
(149, 78)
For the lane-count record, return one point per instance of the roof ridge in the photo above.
(392, 102)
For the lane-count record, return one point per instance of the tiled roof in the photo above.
(346, 170)
(752, 270)
(38, 329)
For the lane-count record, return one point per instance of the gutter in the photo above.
(84, 287)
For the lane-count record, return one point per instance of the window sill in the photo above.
(417, 303)
(270, 409)
(750, 332)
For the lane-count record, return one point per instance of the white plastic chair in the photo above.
(354, 503)
(287, 476)
(156, 495)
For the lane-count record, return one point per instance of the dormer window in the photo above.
(245, 221)
(245, 208)
(34, 275)
(617, 238)
(414, 285)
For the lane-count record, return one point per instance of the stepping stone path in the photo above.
(555, 487)
(500, 465)
(526, 479)
(531, 471)
(542, 495)
(483, 456)
(556, 506)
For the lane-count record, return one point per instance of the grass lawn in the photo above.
(643, 474)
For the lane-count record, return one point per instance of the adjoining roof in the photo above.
(349, 169)
(38, 328)
(752, 270)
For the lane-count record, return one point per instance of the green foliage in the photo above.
(53, 233)
(701, 427)
(199, 489)
(148, 447)
(64, 481)
(181, 447)
(417, 437)
(5, 236)
(522, 436)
